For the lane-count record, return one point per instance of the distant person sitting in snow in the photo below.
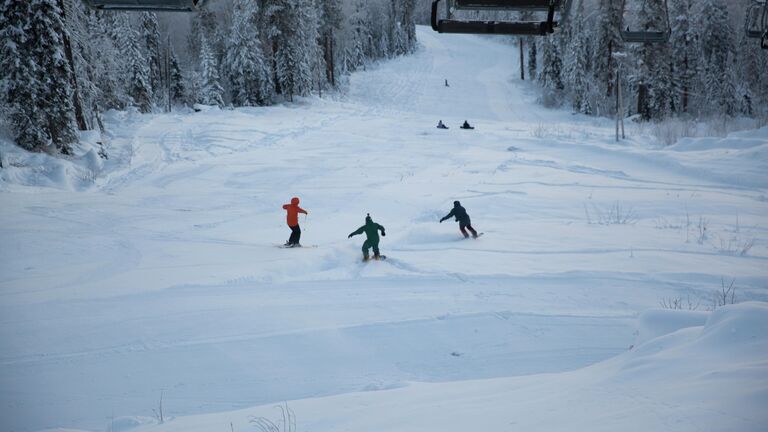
(461, 216)
(292, 218)
(466, 125)
(440, 125)
(371, 230)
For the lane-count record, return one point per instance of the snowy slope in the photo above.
(159, 273)
(656, 386)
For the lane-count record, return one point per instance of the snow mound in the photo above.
(711, 376)
(127, 423)
(731, 344)
(655, 323)
(76, 172)
(735, 141)
(738, 326)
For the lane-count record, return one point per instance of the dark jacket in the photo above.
(371, 230)
(459, 213)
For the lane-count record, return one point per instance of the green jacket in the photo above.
(371, 230)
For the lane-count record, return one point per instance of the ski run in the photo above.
(148, 285)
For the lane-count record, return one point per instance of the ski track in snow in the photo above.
(163, 277)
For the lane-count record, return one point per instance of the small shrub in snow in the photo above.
(677, 303)
(664, 223)
(725, 296)
(702, 230)
(614, 214)
(286, 423)
(159, 411)
(670, 131)
(736, 245)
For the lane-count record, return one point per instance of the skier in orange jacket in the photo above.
(292, 218)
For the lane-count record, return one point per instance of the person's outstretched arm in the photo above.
(448, 216)
(301, 210)
(381, 228)
(356, 232)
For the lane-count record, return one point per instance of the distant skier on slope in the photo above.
(371, 230)
(461, 216)
(466, 125)
(440, 125)
(446, 83)
(292, 218)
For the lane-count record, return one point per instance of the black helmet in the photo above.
(368, 218)
(456, 203)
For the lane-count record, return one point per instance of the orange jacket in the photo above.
(293, 212)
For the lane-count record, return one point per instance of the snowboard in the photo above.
(282, 246)
(478, 236)
(381, 258)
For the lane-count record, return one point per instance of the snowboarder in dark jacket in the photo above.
(440, 125)
(461, 216)
(371, 230)
(466, 125)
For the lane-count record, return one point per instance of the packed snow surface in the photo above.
(155, 273)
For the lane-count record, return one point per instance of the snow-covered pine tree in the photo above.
(108, 70)
(249, 74)
(18, 85)
(358, 37)
(402, 27)
(77, 50)
(754, 63)
(310, 14)
(607, 42)
(331, 19)
(137, 68)
(576, 66)
(533, 58)
(211, 92)
(178, 90)
(151, 37)
(684, 53)
(717, 88)
(654, 74)
(408, 9)
(204, 24)
(296, 50)
(53, 78)
(551, 72)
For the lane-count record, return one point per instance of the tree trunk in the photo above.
(609, 75)
(642, 101)
(333, 65)
(78, 104)
(685, 85)
(522, 61)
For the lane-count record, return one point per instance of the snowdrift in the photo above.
(711, 377)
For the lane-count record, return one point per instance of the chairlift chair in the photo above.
(659, 35)
(757, 19)
(513, 27)
(147, 5)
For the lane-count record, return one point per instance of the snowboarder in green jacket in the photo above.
(371, 230)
